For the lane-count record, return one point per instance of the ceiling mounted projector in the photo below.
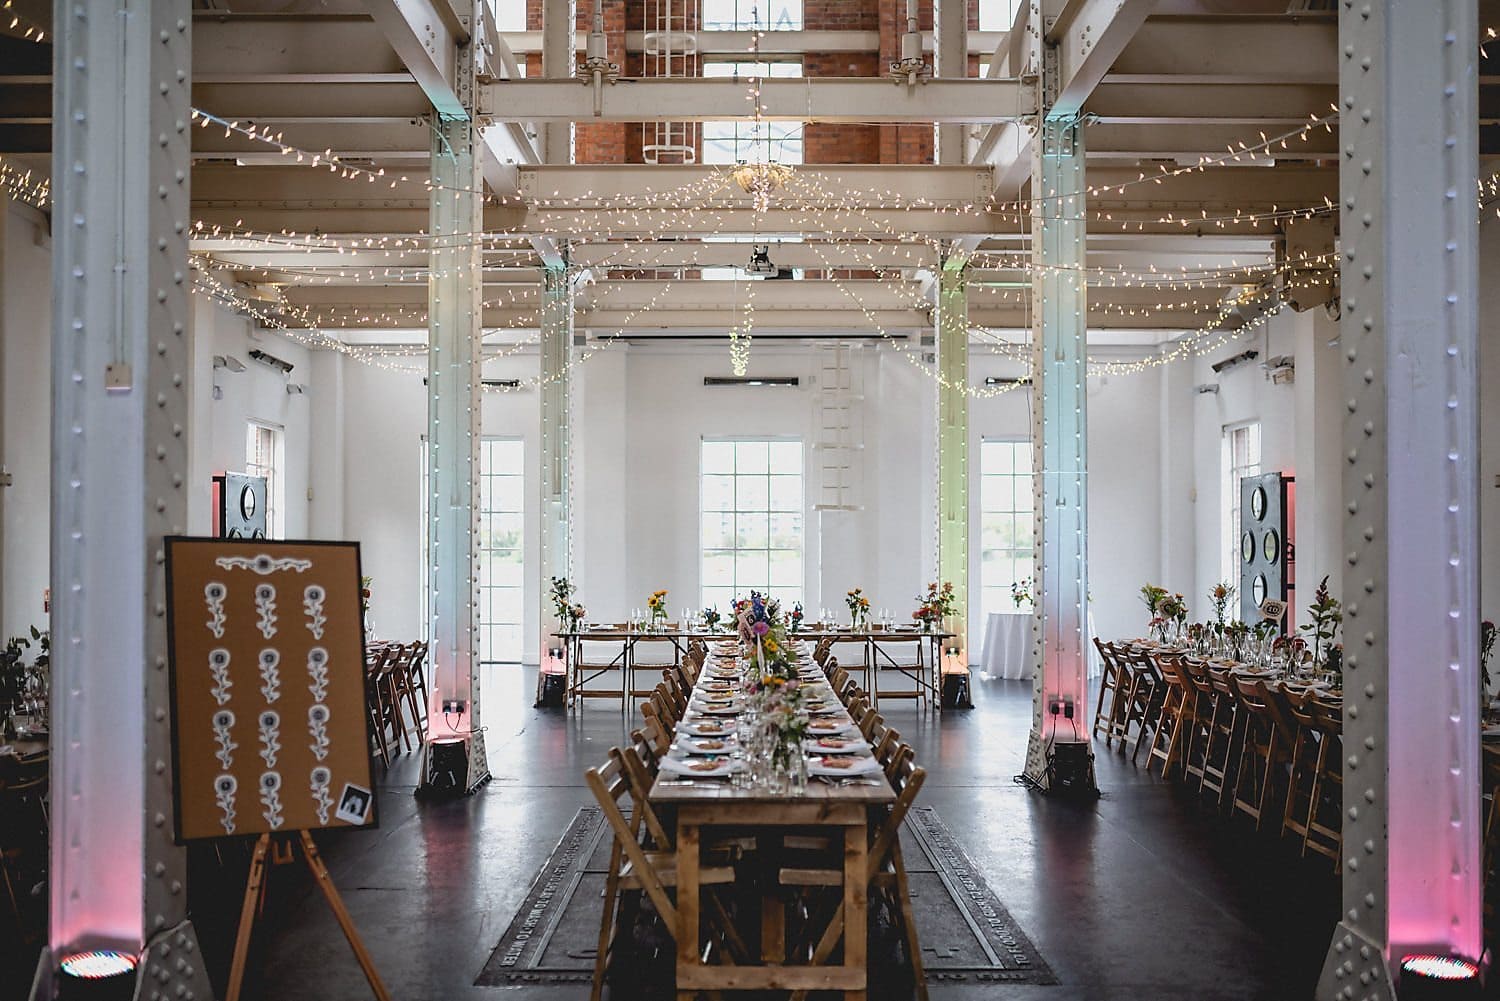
(760, 262)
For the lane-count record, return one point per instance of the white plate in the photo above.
(705, 745)
(706, 727)
(830, 727)
(721, 768)
(846, 746)
(855, 766)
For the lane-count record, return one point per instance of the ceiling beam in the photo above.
(822, 99)
(1089, 35)
(1216, 49)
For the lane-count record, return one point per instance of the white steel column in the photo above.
(1059, 444)
(953, 438)
(559, 60)
(119, 446)
(453, 394)
(950, 24)
(557, 348)
(1408, 135)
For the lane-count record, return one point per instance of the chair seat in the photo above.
(665, 864)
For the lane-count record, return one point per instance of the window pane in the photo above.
(718, 530)
(751, 570)
(785, 457)
(751, 457)
(786, 493)
(718, 457)
(752, 493)
(718, 569)
(752, 531)
(786, 569)
(718, 493)
(786, 531)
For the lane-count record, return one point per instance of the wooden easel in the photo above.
(255, 888)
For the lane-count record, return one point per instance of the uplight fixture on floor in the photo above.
(97, 973)
(1427, 976)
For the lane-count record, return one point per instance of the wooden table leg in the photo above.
(855, 914)
(687, 897)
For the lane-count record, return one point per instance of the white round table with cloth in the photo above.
(1007, 647)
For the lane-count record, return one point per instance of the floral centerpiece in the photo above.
(569, 613)
(936, 605)
(1153, 596)
(712, 618)
(1020, 592)
(764, 636)
(1171, 616)
(794, 621)
(1326, 613)
(364, 601)
(859, 608)
(1237, 636)
(656, 606)
(1219, 596)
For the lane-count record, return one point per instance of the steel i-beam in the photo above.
(953, 439)
(453, 387)
(557, 347)
(1059, 447)
(120, 391)
(1410, 856)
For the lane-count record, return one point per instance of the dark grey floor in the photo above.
(1141, 895)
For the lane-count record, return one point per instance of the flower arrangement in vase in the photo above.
(364, 601)
(936, 605)
(1236, 637)
(859, 608)
(1219, 596)
(569, 613)
(1326, 614)
(1171, 617)
(1020, 593)
(712, 618)
(794, 621)
(656, 606)
(1153, 596)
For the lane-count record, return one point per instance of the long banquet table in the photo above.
(926, 673)
(703, 803)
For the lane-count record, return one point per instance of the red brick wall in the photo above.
(615, 142)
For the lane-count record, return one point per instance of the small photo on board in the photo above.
(354, 804)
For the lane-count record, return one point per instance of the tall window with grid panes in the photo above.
(751, 521)
(263, 457)
(1241, 458)
(1005, 521)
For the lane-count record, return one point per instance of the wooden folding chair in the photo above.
(631, 867)
(885, 849)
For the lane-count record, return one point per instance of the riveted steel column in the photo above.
(453, 421)
(120, 406)
(557, 347)
(1059, 442)
(953, 437)
(1408, 124)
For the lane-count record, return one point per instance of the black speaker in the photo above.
(1070, 768)
(956, 692)
(551, 689)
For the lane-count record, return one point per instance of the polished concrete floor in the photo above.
(1143, 894)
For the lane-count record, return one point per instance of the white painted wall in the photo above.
(26, 428)
(353, 448)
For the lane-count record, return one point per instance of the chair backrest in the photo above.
(657, 739)
(651, 711)
(907, 783)
(1197, 673)
(1107, 658)
(820, 652)
(640, 778)
(892, 754)
(609, 784)
(1329, 715)
(674, 690)
(664, 708)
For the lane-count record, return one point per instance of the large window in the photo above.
(1241, 459)
(1005, 521)
(744, 141)
(500, 546)
(264, 457)
(743, 15)
(752, 520)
